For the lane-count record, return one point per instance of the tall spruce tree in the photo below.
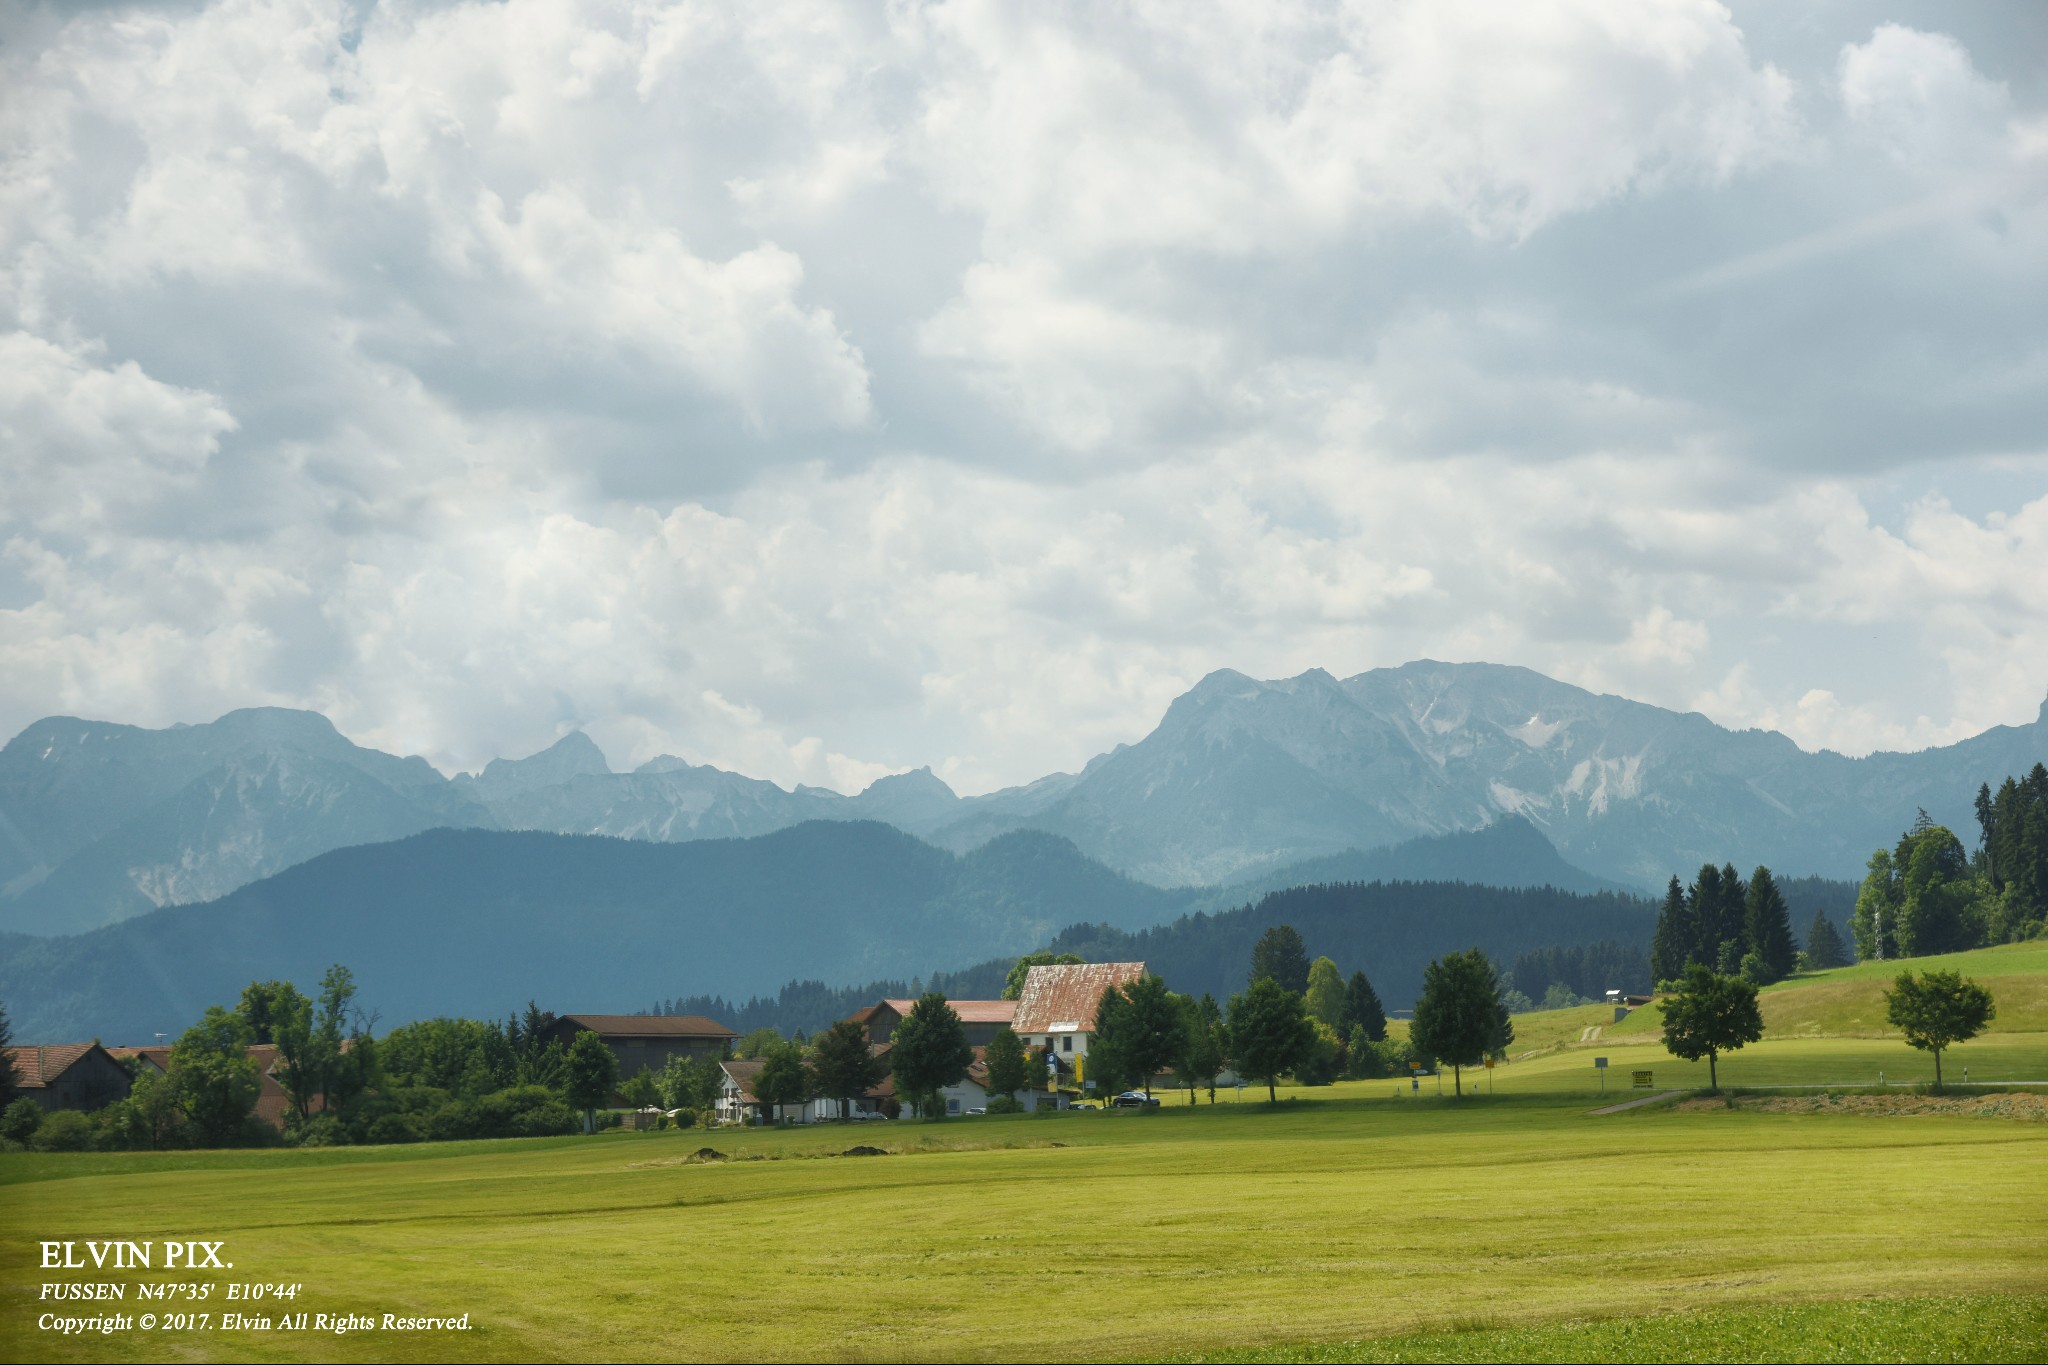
(1768, 927)
(1362, 1009)
(1824, 946)
(1672, 946)
(1282, 958)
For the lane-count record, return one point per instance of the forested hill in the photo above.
(1388, 930)
(476, 922)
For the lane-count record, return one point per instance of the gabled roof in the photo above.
(743, 1072)
(1062, 997)
(970, 1011)
(36, 1067)
(649, 1025)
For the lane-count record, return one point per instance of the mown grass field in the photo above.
(1359, 1221)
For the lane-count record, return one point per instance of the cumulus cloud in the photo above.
(822, 391)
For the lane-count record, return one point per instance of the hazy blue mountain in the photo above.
(573, 755)
(1243, 777)
(1388, 930)
(1240, 782)
(1509, 853)
(475, 922)
(103, 821)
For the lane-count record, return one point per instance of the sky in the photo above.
(822, 391)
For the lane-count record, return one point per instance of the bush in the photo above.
(1006, 1104)
(1319, 1065)
(322, 1130)
(21, 1120)
(388, 1128)
(66, 1130)
(553, 1119)
(685, 1118)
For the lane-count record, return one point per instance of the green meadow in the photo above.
(1358, 1221)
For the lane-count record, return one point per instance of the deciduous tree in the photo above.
(1937, 1011)
(782, 1080)
(215, 1079)
(1201, 1050)
(844, 1067)
(1711, 1013)
(1269, 1032)
(1325, 995)
(929, 1052)
(1009, 1065)
(590, 1076)
(1460, 1017)
(1139, 1025)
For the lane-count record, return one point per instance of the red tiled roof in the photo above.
(970, 1011)
(650, 1025)
(1064, 995)
(36, 1066)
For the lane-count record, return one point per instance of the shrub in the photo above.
(322, 1130)
(21, 1120)
(398, 1128)
(66, 1130)
(1006, 1104)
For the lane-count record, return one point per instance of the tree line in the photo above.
(1735, 928)
(1928, 894)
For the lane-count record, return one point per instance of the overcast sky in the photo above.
(821, 391)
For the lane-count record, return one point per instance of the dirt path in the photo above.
(1636, 1104)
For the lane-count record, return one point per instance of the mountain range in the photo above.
(1241, 782)
(478, 921)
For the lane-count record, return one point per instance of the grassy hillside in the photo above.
(1847, 1002)
(1346, 1215)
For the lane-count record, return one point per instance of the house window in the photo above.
(1067, 1043)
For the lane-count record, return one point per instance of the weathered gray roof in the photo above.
(1064, 996)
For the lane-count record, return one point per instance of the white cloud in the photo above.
(823, 391)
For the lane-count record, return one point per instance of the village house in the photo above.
(1056, 1011)
(273, 1104)
(81, 1076)
(647, 1041)
(982, 1019)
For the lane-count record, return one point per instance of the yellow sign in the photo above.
(1642, 1080)
(1489, 1063)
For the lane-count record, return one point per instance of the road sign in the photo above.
(1641, 1080)
(1489, 1064)
(1600, 1062)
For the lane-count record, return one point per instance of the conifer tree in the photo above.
(1768, 927)
(1824, 946)
(1671, 947)
(1362, 1008)
(1282, 958)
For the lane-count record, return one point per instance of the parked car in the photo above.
(1083, 1104)
(866, 1115)
(1135, 1099)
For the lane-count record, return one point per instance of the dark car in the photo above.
(1135, 1099)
